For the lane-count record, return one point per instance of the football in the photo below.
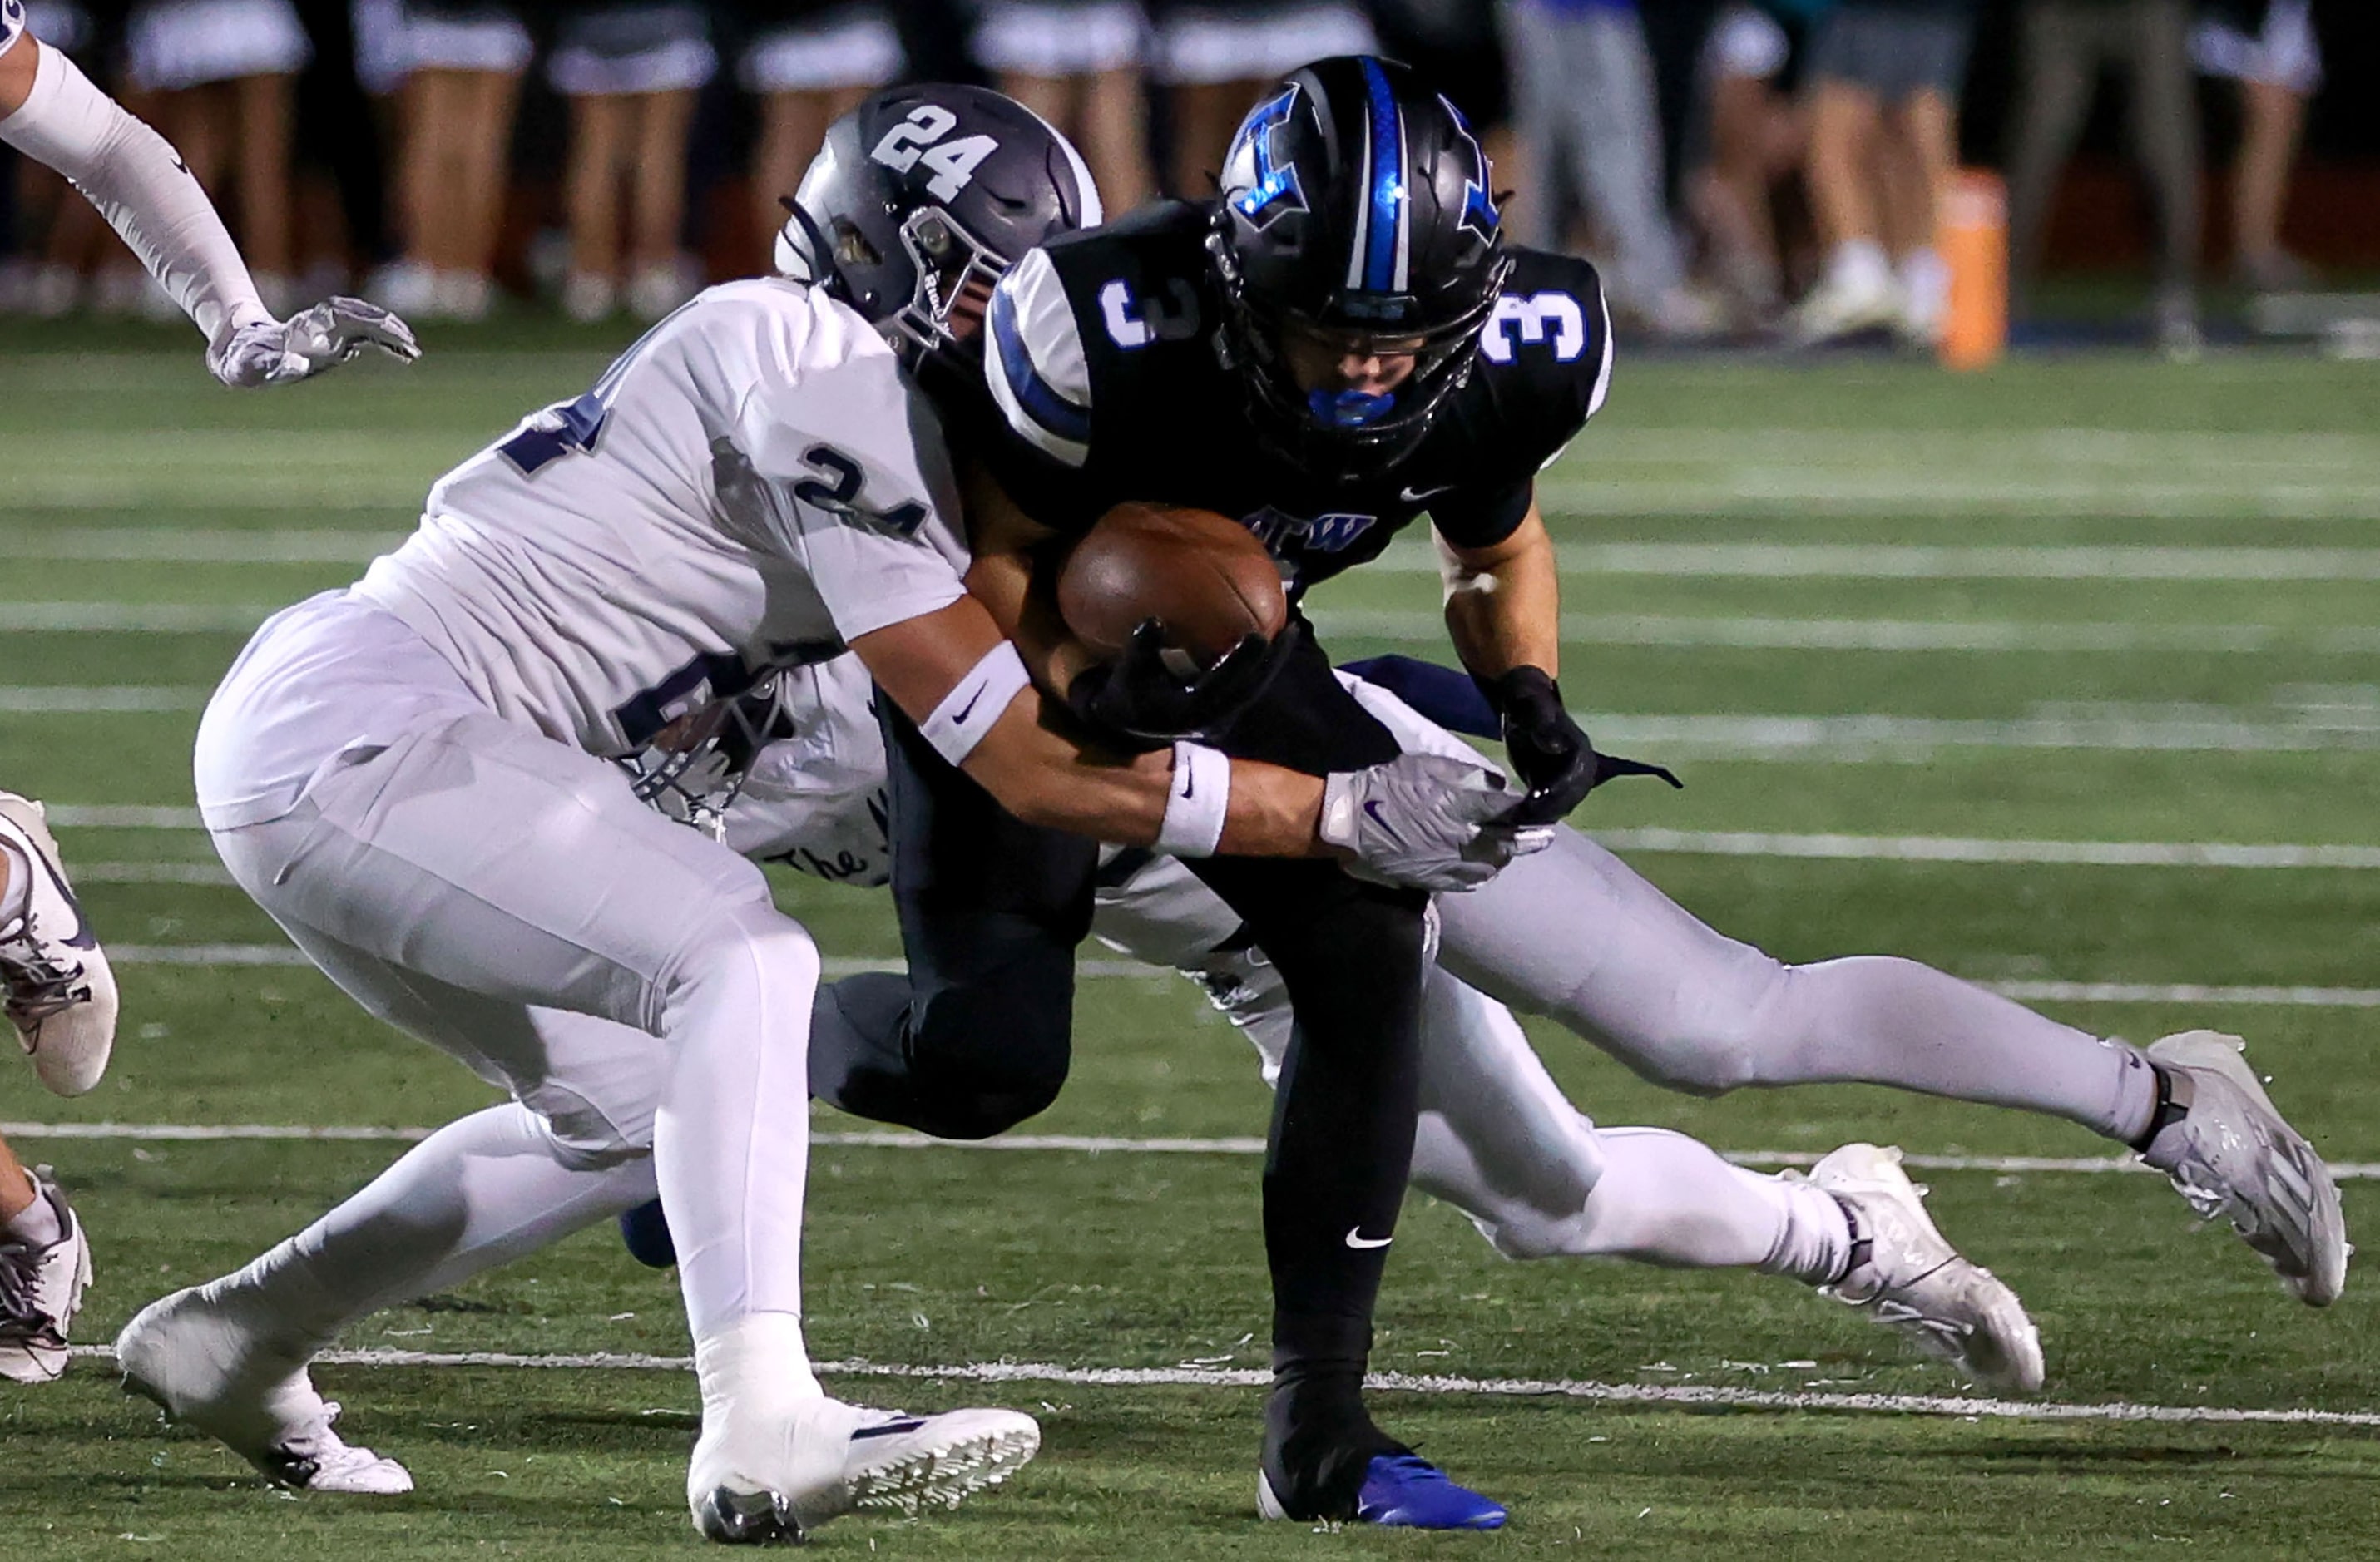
(1202, 574)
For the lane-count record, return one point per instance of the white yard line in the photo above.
(1652, 1395)
(1867, 561)
(1825, 490)
(1955, 849)
(104, 699)
(234, 956)
(1845, 739)
(150, 872)
(1071, 1144)
(133, 618)
(1842, 561)
(1427, 626)
(1707, 842)
(1719, 844)
(176, 545)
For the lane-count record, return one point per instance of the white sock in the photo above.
(1926, 280)
(18, 892)
(731, 1141)
(1814, 1244)
(1665, 1199)
(1860, 263)
(479, 1192)
(37, 1225)
(755, 1368)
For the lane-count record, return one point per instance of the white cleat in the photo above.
(1846, 304)
(40, 1289)
(1913, 1281)
(2235, 1158)
(60, 993)
(776, 1483)
(207, 1366)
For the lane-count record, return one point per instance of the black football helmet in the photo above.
(921, 200)
(1357, 200)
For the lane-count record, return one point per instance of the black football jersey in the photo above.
(1103, 355)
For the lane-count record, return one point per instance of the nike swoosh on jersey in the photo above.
(1415, 496)
(1356, 1239)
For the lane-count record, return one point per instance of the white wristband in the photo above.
(1195, 802)
(975, 703)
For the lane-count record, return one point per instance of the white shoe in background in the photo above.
(41, 1289)
(461, 295)
(54, 980)
(586, 298)
(1857, 294)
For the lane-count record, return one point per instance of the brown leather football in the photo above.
(1202, 574)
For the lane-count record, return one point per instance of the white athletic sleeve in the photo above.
(870, 509)
(142, 187)
(1035, 365)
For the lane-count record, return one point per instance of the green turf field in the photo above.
(1909, 639)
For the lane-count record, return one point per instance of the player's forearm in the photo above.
(1503, 604)
(954, 676)
(140, 185)
(1040, 773)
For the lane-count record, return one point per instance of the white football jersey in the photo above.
(753, 485)
(12, 22)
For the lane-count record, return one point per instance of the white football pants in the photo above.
(506, 899)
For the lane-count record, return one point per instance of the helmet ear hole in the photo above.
(851, 246)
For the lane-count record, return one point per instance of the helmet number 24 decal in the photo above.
(918, 138)
(1531, 318)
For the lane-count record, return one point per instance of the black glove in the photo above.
(1148, 703)
(1549, 751)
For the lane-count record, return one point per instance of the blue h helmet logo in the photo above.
(1479, 215)
(1273, 189)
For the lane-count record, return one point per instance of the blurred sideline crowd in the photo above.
(1737, 169)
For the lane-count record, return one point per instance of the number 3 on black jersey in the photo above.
(1528, 319)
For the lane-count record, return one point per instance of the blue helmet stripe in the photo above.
(1384, 232)
(1035, 395)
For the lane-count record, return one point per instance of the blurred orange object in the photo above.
(1973, 243)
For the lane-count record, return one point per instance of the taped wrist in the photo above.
(140, 185)
(1195, 802)
(975, 703)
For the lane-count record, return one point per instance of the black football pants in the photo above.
(979, 1036)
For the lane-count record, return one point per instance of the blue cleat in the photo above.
(1410, 1492)
(1405, 1491)
(646, 1231)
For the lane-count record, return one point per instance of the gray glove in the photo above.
(1424, 820)
(276, 352)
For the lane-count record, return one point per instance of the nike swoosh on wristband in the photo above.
(1356, 1239)
(968, 709)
